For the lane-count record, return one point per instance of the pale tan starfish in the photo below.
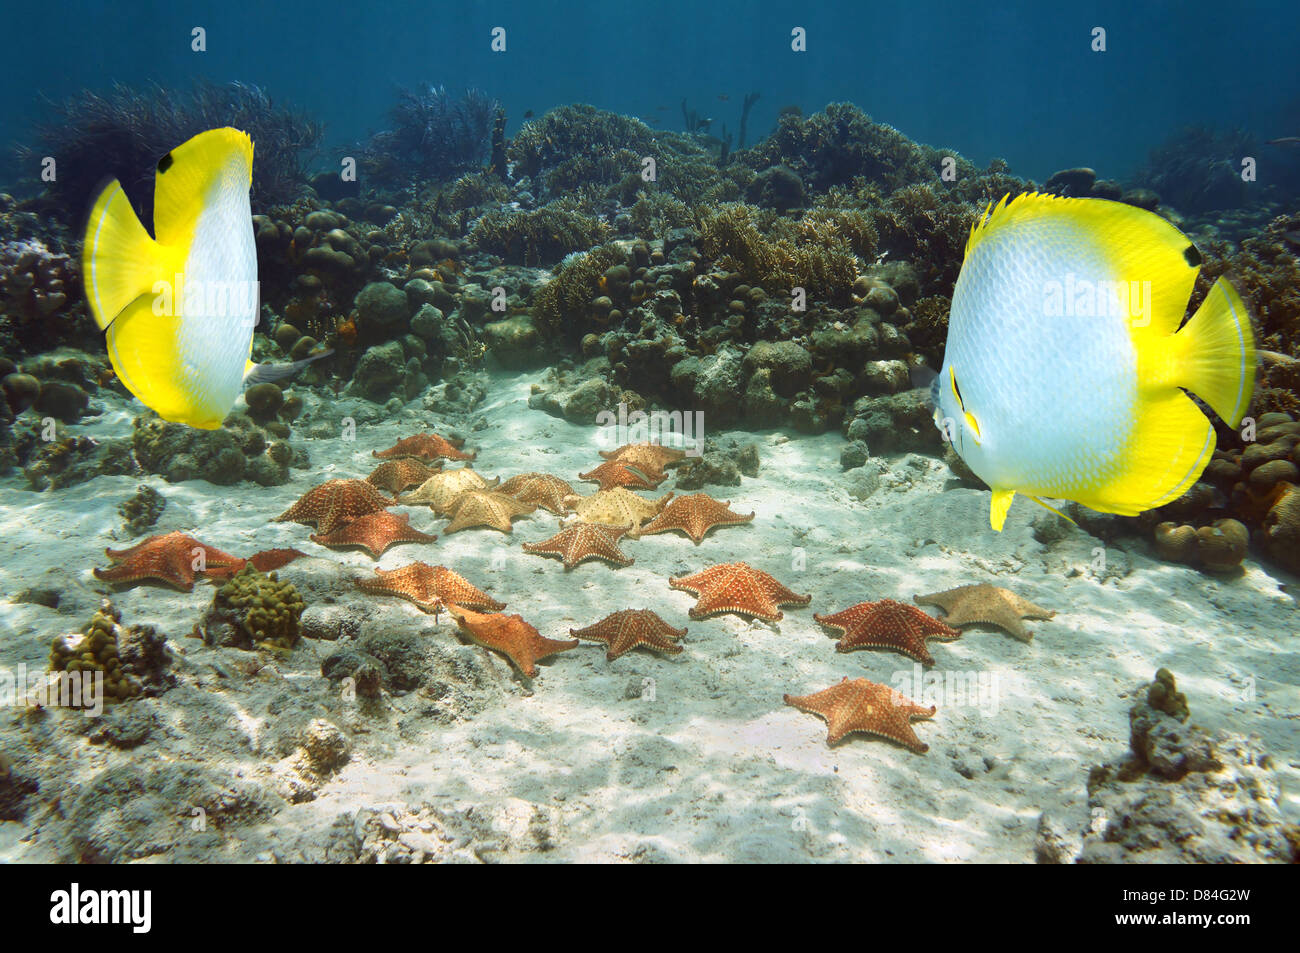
(984, 603)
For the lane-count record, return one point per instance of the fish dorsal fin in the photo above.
(187, 175)
(1152, 262)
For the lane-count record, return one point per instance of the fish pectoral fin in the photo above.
(261, 373)
(999, 506)
(119, 261)
(1052, 508)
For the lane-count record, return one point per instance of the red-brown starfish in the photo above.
(374, 532)
(539, 488)
(396, 475)
(614, 473)
(334, 503)
(429, 587)
(888, 625)
(736, 587)
(632, 628)
(424, 446)
(511, 636)
(694, 515)
(174, 558)
(265, 561)
(860, 705)
(583, 541)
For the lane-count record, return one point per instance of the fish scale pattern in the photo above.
(1048, 371)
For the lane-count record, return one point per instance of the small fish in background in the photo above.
(1065, 368)
(528, 114)
(180, 308)
(723, 96)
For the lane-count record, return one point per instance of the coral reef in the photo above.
(254, 609)
(134, 661)
(433, 136)
(1183, 796)
(1198, 169)
(123, 133)
(240, 450)
(141, 511)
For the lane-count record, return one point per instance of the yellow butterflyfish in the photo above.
(1066, 373)
(179, 308)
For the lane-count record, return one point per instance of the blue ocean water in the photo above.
(1017, 80)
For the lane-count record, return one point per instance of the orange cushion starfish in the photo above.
(334, 503)
(888, 625)
(736, 587)
(174, 558)
(511, 636)
(694, 515)
(423, 446)
(632, 628)
(396, 475)
(583, 541)
(614, 473)
(540, 488)
(650, 457)
(860, 705)
(429, 587)
(374, 532)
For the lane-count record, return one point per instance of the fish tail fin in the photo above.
(119, 261)
(998, 507)
(1214, 353)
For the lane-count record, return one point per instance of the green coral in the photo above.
(96, 649)
(268, 609)
(474, 189)
(816, 252)
(566, 303)
(1163, 695)
(842, 142)
(541, 235)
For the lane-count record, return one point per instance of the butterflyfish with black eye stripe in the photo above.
(1068, 366)
(180, 307)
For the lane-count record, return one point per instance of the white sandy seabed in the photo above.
(692, 757)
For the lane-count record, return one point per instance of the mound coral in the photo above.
(133, 661)
(254, 608)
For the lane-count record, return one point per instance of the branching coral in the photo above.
(1198, 169)
(815, 253)
(563, 305)
(833, 146)
(540, 236)
(123, 133)
(434, 137)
